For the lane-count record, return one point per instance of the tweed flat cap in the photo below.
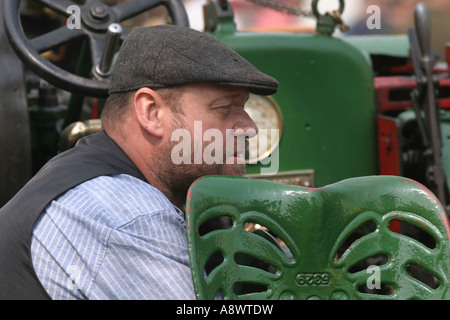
(169, 55)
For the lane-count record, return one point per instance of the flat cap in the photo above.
(169, 55)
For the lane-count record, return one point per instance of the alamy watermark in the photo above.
(374, 20)
(234, 148)
(374, 280)
(74, 20)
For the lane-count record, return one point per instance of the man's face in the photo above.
(218, 124)
(209, 136)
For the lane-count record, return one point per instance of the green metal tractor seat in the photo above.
(375, 237)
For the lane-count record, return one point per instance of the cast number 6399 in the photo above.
(311, 279)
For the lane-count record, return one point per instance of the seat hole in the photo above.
(417, 233)
(219, 295)
(213, 262)
(364, 229)
(244, 259)
(217, 223)
(376, 260)
(423, 276)
(270, 236)
(242, 288)
(383, 289)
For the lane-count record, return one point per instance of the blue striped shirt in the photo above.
(112, 237)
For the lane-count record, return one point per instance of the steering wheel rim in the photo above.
(90, 27)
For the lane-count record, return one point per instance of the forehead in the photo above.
(210, 94)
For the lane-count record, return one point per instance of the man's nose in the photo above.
(245, 126)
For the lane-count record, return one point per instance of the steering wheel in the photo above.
(96, 22)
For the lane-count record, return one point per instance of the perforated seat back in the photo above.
(377, 237)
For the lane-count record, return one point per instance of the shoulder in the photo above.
(100, 226)
(114, 200)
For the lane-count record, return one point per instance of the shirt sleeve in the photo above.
(147, 258)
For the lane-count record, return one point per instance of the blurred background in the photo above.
(396, 17)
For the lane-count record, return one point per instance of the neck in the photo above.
(176, 197)
(154, 166)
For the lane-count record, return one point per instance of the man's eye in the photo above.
(224, 109)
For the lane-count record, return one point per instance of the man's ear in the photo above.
(149, 111)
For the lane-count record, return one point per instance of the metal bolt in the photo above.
(99, 12)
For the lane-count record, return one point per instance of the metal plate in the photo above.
(304, 178)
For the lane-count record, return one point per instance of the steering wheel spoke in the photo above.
(55, 38)
(59, 6)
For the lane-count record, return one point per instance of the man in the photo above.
(104, 218)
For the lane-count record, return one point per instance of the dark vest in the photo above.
(93, 156)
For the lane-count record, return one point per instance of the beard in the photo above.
(177, 178)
